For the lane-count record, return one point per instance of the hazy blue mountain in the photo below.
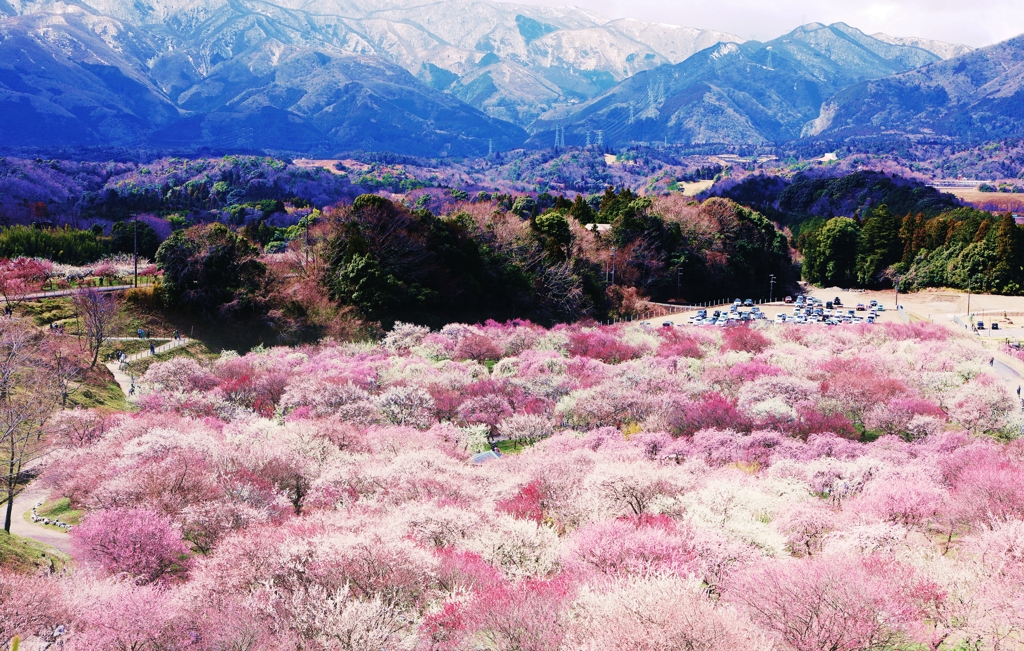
(514, 62)
(977, 95)
(453, 77)
(736, 92)
(78, 78)
(61, 83)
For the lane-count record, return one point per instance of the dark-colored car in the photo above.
(837, 302)
(748, 303)
(828, 305)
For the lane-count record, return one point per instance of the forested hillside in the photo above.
(959, 248)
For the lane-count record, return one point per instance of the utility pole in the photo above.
(308, 218)
(679, 274)
(969, 319)
(135, 248)
(613, 265)
(771, 287)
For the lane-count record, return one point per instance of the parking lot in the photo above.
(798, 311)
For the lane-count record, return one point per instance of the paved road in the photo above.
(23, 503)
(1008, 375)
(57, 293)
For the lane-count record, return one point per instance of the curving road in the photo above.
(23, 503)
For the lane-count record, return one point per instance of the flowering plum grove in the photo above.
(847, 489)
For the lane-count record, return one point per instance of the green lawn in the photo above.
(508, 447)
(58, 509)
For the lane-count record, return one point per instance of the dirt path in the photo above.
(23, 503)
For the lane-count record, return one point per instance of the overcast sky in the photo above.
(971, 22)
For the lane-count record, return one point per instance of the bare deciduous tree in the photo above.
(97, 317)
(28, 394)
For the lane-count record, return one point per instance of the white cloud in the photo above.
(977, 23)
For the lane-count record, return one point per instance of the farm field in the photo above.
(996, 201)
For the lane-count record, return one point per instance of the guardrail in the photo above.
(903, 315)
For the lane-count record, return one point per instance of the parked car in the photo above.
(981, 325)
(666, 324)
(789, 299)
(861, 307)
(828, 305)
(995, 325)
(748, 303)
(836, 301)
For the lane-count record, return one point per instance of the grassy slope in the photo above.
(24, 555)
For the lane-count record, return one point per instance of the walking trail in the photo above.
(119, 370)
(23, 503)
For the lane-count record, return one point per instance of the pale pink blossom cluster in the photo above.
(669, 491)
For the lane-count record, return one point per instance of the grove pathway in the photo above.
(23, 503)
(58, 293)
(123, 379)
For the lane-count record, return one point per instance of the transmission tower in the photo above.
(600, 138)
(770, 58)
(631, 112)
(588, 138)
(490, 147)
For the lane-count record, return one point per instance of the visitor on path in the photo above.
(176, 336)
(152, 348)
(140, 332)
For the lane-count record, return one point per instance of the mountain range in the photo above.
(453, 77)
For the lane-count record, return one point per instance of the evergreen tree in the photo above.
(836, 263)
(879, 246)
(1008, 275)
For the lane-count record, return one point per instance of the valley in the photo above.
(463, 325)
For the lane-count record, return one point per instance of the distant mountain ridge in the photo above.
(977, 95)
(738, 92)
(511, 61)
(938, 48)
(453, 77)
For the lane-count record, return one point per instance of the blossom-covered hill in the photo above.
(843, 488)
